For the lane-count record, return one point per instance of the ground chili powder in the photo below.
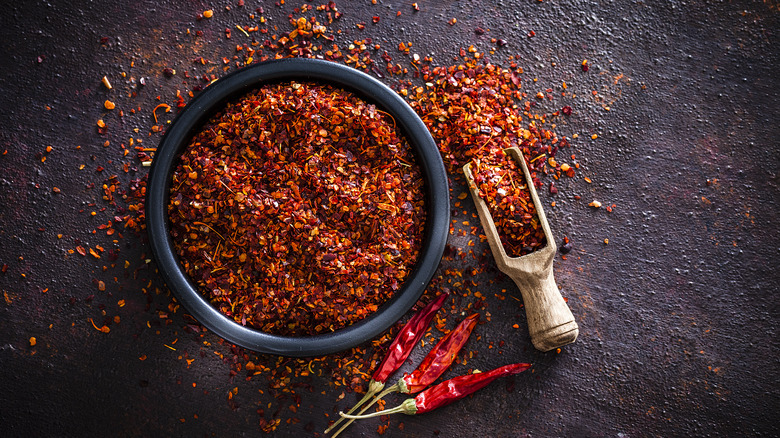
(298, 209)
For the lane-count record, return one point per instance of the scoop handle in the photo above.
(550, 321)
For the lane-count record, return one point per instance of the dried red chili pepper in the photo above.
(438, 359)
(432, 367)
(446, 392)
(403, 344)
(399, 350)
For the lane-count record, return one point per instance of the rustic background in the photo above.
(677, 311)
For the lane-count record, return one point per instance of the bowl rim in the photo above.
(214, 98)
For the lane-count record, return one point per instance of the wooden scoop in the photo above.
(550, 322)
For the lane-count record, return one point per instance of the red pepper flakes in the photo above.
(503, 187)
(467, 123)
(305, 239)
(166, 107)
(104, 328)
(565, 246)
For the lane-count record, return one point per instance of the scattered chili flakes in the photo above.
(466, 123)
(565, 246)
(104, 328)
(33, 341)
(298, 209)
(109, 105)
(165, 106)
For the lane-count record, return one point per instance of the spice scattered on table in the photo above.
(502, 185)
(475, 109)
(298, 209)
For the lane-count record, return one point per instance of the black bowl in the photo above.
(213, 99)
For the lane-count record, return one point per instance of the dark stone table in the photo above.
(674, 290)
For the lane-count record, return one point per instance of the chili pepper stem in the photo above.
(408, 407)
(398, 387)
(373, 388)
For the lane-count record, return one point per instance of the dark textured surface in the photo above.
(677, 312)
